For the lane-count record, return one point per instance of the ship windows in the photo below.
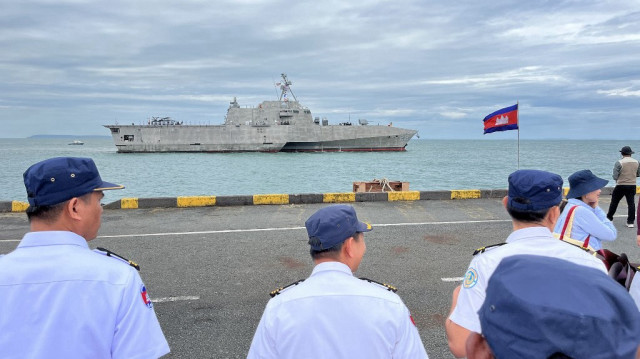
(128, 137)
(115, 129)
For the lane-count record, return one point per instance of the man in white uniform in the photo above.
(532, 203)
(58, 298)
(543, 307)
(333, 314)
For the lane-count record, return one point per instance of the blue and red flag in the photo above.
(502, 120)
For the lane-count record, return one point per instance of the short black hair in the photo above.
(45, 213)
(324, 253)
(52, 212)
(330, 252)
(527, 216)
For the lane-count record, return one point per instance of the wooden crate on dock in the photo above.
(382, 185)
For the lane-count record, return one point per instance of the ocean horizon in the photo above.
(427, 165)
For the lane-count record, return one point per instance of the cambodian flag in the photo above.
(502, 120)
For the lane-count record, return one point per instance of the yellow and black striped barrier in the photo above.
(283, 199)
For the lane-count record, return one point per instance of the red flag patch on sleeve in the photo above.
(145, 297)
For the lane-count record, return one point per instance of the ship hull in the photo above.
(224, 138)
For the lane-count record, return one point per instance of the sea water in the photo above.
(426, 164)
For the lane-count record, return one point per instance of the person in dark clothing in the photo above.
(625, 172)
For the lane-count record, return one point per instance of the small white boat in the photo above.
(76, 143)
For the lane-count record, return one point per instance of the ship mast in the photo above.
(284, 87)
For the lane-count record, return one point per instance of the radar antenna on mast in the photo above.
(285, 87)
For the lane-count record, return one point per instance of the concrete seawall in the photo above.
(304, 198)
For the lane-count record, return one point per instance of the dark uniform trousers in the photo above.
(627, 191)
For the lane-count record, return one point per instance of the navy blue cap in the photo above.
(332, 225)
(536, 306)
(534, 190)
(583, 182)
(59, 179)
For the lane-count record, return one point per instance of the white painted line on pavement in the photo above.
(285, 229)
(174, 299)
(291, 228)
(451, 222)
(454, 279)
(184, 233)
(274, 229)
(202, 232)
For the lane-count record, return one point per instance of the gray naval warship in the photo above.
(274, 126)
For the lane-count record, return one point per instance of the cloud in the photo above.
(620, 92)
(438, 67)
(454, 115)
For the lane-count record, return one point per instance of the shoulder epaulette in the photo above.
(275, 292)
(482, 249)
(385, 285)
(109, 253)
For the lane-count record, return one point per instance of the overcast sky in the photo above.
(68, 67)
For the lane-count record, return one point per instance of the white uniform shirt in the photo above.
(333, 314)
(634, 290)
(533, 241)
(59, 299)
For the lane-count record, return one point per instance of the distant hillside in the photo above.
(68, 136)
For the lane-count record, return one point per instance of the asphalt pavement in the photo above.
(209, 270)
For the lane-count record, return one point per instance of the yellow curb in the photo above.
(196, 201)
(17, 206)
(270, 199)
(404, 196)
(129, 203)
(338, 197)
(465, 194)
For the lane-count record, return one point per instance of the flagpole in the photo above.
(518, 117)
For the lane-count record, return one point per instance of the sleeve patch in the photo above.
(470, 278)
(145, 297)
